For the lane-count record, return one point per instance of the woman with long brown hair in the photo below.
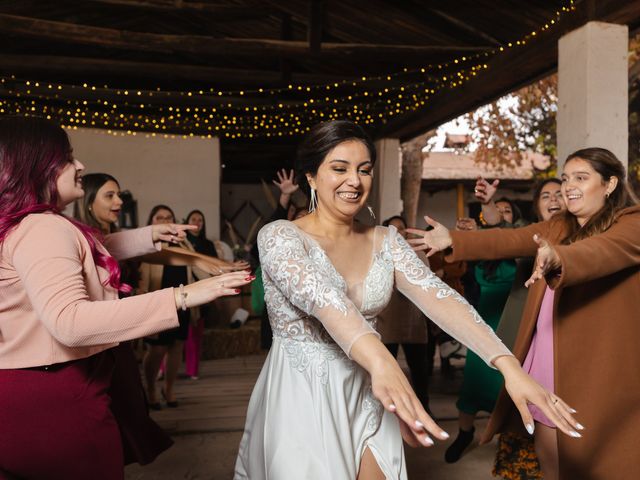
(580, 322)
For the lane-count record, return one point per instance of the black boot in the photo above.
(454, 452)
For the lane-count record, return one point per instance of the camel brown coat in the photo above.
(596, 323)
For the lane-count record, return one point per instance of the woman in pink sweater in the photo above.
(60, 315)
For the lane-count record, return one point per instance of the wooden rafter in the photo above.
(152, 71)
(219, 12)
(316, 24)
(203, 45)
(466, 27)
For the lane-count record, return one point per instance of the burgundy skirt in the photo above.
(57, 423)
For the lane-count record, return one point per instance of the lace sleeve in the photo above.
(442, 304)
(286, 262)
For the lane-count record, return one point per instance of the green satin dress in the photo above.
(482, 384)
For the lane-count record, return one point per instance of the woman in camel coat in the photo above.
(590, 259)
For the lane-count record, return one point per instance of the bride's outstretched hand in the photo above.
(524, 390)
(547, 260)
(434, 240)
(391, 387)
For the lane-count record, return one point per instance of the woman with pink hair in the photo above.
(60, 315)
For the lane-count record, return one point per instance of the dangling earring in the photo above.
(373, 215)
(313, 201)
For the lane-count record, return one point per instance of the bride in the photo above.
(331, 402)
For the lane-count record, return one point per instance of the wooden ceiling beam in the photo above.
(317, 10)
(203, 45)
(152, 71)
(218, 12)
(466, 27)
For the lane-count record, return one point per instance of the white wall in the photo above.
(441, 206)
(183, 173)
(385, 198)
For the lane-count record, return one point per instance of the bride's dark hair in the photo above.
(321, 139)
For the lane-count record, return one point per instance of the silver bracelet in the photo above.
(183, 298)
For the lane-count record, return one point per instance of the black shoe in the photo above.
(463, 440)
(170, 404)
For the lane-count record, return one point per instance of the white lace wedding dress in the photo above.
(312, 413)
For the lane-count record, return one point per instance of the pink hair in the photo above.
(33, 152)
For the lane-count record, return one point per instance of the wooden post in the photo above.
(460, 203)
(411, 182)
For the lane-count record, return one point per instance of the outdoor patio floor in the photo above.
(208, 424)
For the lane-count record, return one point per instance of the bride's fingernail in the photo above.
(530, 428)
(579, 426)
(419, 424)
(392, 407)
(573, 410)
(575, 435)
(444, 435)
(428, 440)
(237, 290)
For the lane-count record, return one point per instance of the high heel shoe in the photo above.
(170, 404)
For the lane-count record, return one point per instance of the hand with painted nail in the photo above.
(547, 260)
(524, 390)
(209, 289)
(434, 240)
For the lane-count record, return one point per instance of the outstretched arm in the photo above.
(451, 312)
(489, 244)
(179, 256)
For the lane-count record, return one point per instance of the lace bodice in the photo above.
(309, 301)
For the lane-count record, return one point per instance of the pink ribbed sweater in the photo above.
(53, 304)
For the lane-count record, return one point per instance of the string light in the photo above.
(250, 114)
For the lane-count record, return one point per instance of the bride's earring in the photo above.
(373, 215)
(313, 201)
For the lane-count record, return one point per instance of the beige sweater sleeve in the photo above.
(131, 243)
(60, 278)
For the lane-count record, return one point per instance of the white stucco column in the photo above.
(593, 78)
(385, 198)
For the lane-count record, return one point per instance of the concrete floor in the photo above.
(208, 424)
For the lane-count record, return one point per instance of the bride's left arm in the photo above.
(453, 314)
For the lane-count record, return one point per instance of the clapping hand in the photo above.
(484, 191)
(547, 260)
(171, 232)
(466, 224)
(434, 240)
(286, 182)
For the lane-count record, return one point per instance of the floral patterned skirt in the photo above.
(516, 458)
